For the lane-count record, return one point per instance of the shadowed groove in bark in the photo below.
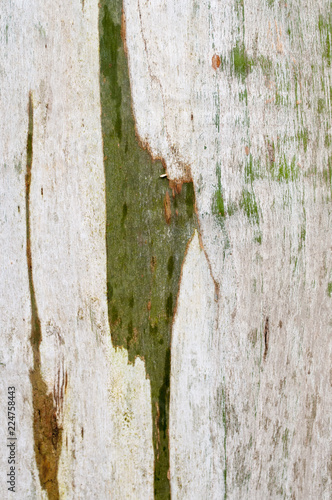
(47, 433)
(266, 337)
(145, 242)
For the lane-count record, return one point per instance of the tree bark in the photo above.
(166, 188)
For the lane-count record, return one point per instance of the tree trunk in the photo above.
(166, 188)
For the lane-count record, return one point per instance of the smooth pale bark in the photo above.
(192, 444)
(251, 367)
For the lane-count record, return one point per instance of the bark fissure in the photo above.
(266, 337)
(46, 429)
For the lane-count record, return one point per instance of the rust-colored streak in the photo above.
(167, 207)
(123, 33)
(216, 61)
(46, 430)
(176, 186)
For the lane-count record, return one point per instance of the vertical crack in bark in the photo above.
(266, 337)
(144, 251)
(47, 432)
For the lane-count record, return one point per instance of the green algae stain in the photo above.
(320, 105)
(287, 171)
(218, 210)
(249, 205)
(303, 138)
(145, 246)
(252, 169)
(241, 63)
(46, 430)
(266, 65)
(327, 172)
(329, 289)
(325, 30)
(218, 207)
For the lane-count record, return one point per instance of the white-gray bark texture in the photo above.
(163, 343)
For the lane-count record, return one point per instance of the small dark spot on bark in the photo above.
(280, 324)
(42, 191)
(169, 306)
(130, 332)
(153, 329)
(82, 432)
(153, 263)
(170, 266)
(164, 394)
(270, 149)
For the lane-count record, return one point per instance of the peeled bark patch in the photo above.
(46, 430)
(145, 246)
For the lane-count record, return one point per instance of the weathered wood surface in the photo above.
(234, 96)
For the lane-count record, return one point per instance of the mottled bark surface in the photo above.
(148, 227)
(147, 355)
(242, 92)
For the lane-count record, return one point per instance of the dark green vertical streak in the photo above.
(47, 433)
(144, 252)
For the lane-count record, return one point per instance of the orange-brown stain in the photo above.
(216, 61)
(167, 208)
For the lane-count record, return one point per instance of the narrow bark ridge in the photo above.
(47, 432)
(149, 224)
